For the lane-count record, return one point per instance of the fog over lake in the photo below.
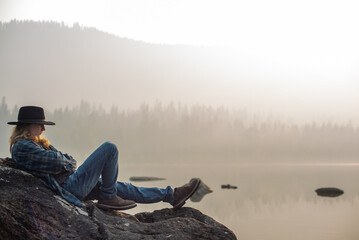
(273, 201)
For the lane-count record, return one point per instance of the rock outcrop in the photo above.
(29, 210)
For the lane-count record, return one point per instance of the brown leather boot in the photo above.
(116, 203)
(181, 194)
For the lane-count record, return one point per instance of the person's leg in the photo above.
(103, 161)
(144, 194)
(176, 197)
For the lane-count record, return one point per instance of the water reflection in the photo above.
(202, 190)
(272, 201)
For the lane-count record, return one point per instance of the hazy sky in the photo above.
(308, 47)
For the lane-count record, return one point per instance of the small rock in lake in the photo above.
(329, 192)
(228, 186)
(145, 179)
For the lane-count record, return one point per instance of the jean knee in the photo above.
(109, 146)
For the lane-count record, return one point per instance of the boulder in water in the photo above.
(228, 186)
(145, 179)
(329, 192)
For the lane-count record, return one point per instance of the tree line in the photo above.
(176, 133)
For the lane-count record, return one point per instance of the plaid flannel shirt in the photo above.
(44, 163)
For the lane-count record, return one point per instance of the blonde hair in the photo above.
(22, 131)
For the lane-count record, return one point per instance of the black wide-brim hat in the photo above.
(31, 115)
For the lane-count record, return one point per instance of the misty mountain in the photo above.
(65, 65)
(54, 65)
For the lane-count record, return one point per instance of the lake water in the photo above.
(273, 201)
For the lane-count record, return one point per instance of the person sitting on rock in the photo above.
(98, 174)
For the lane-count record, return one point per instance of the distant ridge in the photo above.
(54, 65)
(100, 67)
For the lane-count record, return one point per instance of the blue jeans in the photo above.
(103, 161)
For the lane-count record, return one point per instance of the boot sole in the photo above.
(107, 207)
(181, 203)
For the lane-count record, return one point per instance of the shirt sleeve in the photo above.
(32, 156)
(68, 157)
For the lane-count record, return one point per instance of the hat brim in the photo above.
(31, 122)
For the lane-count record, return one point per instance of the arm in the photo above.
(52, 148)
(32, 156)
